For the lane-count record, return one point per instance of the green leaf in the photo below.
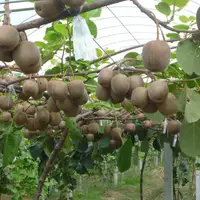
(188, 56)
(156, 117)
(61, 28)
(163, 8)
(192, 108)
(124, 156)
(94, 13)
(181, 26)
(181, 100)
(189, 138)
(52, 36)
(93, 28)
(184, 19)
(144, 146)
(12, 141)
(178, 3)
(104, 142)
(74, 132)
(173, 35)
(136, 155)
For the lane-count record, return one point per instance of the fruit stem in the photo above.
(157, 25)
(7, 13)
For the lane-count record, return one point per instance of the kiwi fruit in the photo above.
(93, 128)
(173, 127)
(29, 109)
(30, 124)
(90, 137)
(27, 134)
(6, 56)
(115, 144)
(84, 129)
(9, 37)
(156, 55)
(102, 94)
(115, 99)
(150, 107)
(19, 107)
(42, 84)
(5, 117)
(57, 89)
(62, 125)
(23, 97)
(43, 116)
(55, 118)
(147, 124)
(198, 18)
(51, 105)
(104, 77)
(30, 88)
(116, 133)
(140, 116)
(82, 100)
(139, 97)
(157, 91)
(107, 130)
(66, 104)
(73, 111)
(20, 118)
(6, 102)
(134, 81)
(120, 84)
(130, 127)
(76, 89)
(169, 106)
(49, 9)
(27, 56)
(39, 124)
(100, 113)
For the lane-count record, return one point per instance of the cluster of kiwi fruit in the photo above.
(51, 9)
(26, 54)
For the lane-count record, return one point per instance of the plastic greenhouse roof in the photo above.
(120, 26)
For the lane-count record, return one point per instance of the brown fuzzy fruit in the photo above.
(43, 116)
(93, 128)
(73, 111)
(29, 109)
(55, 118)
(48, 8)
(27, 134)
(19, 107)
(107, 130)
(5, 117)
(30, 88)
(104, 77)
(198, 18)
(51, 105)
(57, 89)
(20, 118)
(169, 106)
(23, 97)
(62, 125)
(66, 104)
(102, 94)
(120, 84)
(27, 56)
(147, 124)
(130, 127)
(82, 100)
(6, 102)
(30, 125)
(100, 113)
(84, 129)
(40, 125)
(9, 37)
(6, 56)
(150, 107)
(173, 127)
(157, 91)
(116, 133)
(139, 97)
(156, 55)
(42, 84)
(76, 89)
(140, 116)
(90, 137)
(115, 99)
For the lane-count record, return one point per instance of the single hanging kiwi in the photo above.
(156, 55)
(43, 116)
(139, 97)
(51, 105)
(42, 84)
(115, 99)
(82, 100)
(150, 107)
(102, 94)
(55, 118)
(6, 116)
(48, 8)
(6, 56)
(158, 91)
(6, 102)
(20, 118)
(93, 128)
(169, 106)
(30, 88)
(76, 89)
(9, 38)
(104, 77)
(173, 127)
(120, 84)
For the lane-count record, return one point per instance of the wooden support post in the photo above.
(168, 172)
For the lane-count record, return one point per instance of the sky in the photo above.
(120, 26)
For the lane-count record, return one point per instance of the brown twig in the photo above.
(6, 20)
(164, 24)
(49, 163)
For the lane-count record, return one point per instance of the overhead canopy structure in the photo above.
(120, 26)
